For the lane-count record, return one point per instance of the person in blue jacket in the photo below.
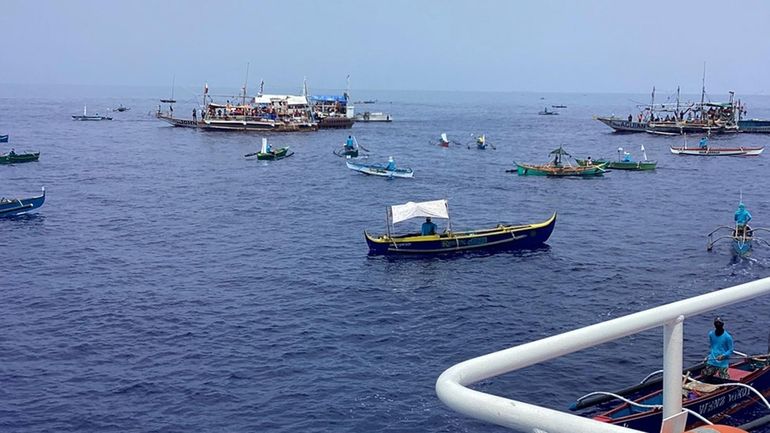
(391, 164)
(704, 142)
(721, 349)
(349, 143)
(742, 216)
(428, 227)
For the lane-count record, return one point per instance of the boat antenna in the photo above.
(703, 92)
(245, 83)
(652, 103)
(347, 86)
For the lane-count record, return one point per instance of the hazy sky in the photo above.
(559, 46)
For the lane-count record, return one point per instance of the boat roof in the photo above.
(289, 99)
(433, 209)
(560, 151)
(328, 98)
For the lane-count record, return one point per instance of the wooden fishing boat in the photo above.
(624, 162)
(86, 117)
(481, 142)
(559, 167)
(712, 399)
(267, 153)
(15, 158)
(499, 238)
(718, 151)
(378, 169)
(4, 138)
(121, 108)
(547, 112)
(16, 206)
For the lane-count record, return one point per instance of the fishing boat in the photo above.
(624, 162)
(86, 117)
(704, 149)
(16, 206)
(481, 142)
(267, 153)
(559, 167)
(377, 169)
(500, 237)
(373, 117)
(680, 118)
(332, 111)
(558, 106)
(705, 398)
(121, 108)
(547, 112)
(15, 158)
(4, 138)
(349, 150)
(741, 235)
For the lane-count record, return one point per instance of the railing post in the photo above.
(673, 336)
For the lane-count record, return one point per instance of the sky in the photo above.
(481, 45)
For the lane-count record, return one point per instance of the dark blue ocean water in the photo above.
(168, 284)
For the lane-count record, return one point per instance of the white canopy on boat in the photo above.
(434, 209)
(288, 99)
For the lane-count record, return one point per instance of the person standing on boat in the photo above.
(195, 115)
(704, 142)
(349, 143)
(742, 218)
(428, 227)
(391, 164)
(721, 349)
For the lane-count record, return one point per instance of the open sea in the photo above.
(170, 285)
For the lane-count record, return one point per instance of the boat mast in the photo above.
(703, 93)
(173, 81)
(677, 103)
(245, 83)
(652, 105)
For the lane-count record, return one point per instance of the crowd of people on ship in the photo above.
(254, 112)
(710, 116)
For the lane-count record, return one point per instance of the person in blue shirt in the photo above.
(428, 227)
(391, 164)
(742, 218)
(721, 343)
(626, 157)
(704, 142)
(349, 143)
(269, 148)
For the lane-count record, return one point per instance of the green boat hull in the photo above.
(623, 165)
(19, 157)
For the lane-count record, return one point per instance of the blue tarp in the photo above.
(328, 98)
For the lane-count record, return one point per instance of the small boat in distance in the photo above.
(386, 170)
(547, 112)
(373, 117)
(502, 237)
(267, 153)
(4, 138)
(741, 235)
(704, 149)
(559, 167)
(481, 142)
(15, 158)
(558, 106)
(10, 207)
(86, 117)
(121, 108)
(350, 149)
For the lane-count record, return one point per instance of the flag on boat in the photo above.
(261, 87)
(434, 208)
(206, 88)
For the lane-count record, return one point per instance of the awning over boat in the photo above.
(287, 99)
(329, 98)
(433, 209)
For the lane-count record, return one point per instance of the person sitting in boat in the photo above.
(626, 157)
(589, 161)
(391, 164)
(742, 218)
(428, 227)
(704, 143)
(718, 359)
(269, 148)
(349, 143)
(12, 152)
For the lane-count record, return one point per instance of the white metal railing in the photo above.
(452, 385)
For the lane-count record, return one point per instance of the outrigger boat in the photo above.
(15, 158)
(121, 108)
(546, 112)
(707, 399)
(742, 236)
(624, 162)
(705, 150)
(350, 152)
(268, 154)
(558, 169)
(17, 206)
(87, 117)
(481, 142)
(378, 169)
(499, 238)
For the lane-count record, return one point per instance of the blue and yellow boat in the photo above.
(502, 237)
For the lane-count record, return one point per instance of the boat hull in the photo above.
(623, 165)
(346, 153)
(715, 151)
(249, 125)
(551, 171)
(336, 123)
(277, 154)
(500, 238)
(91, 118)
(19, 206)
(666, 128)
(754, 125)
(19, 158)
(380, 170)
